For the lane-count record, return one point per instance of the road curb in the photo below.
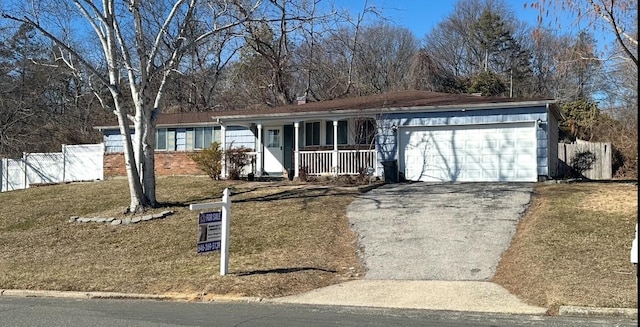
(124, 296)
(598, 312)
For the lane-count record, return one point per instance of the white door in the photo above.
(273, 163)
(503, 152)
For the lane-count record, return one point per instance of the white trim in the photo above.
(296, 149)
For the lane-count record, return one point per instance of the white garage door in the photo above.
(469, 153)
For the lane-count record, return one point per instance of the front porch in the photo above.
(340, 162)
(319, 147)
(328, 162)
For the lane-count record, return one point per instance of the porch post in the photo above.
(259, 150)
(335, 147)
(296, 147)
(223, 142)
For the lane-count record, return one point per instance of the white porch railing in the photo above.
(350, 162)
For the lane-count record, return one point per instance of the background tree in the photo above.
(480, 36)
(141, 44)
(618, 18)
(42, 105)
(383, 58)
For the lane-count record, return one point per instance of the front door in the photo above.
(273, 159)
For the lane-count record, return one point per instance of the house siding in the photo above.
(553, 137)
(168, 163)
(387, 141)
(237, 136)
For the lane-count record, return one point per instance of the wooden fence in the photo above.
(601, 168)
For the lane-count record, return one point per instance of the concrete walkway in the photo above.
(430, 295)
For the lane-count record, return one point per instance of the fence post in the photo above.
(25, 157)
(64, 163)
(3, 168)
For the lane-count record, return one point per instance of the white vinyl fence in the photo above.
(75, 163)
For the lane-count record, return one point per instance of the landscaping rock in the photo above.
(116, 222)
(84, 220)
(148, 217)
(135, 220)
(108, 220)
(126, 221)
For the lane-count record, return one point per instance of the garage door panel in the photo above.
(498, 152)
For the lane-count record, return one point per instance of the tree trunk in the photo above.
(148, 154)
(135, 187)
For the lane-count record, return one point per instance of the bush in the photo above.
(303, 174)
(209, 160)
(237, 159)
(582, 162)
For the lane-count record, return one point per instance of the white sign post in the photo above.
(209, 224)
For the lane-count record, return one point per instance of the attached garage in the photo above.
(500, 152)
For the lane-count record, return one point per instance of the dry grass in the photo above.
(285, 239)
(572, 247)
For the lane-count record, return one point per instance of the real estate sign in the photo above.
(209, 231)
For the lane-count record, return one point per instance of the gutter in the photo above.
(353, 113)
(347, 113)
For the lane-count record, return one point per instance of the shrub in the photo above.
(303, 174)
(209, 160)
(237, 159)
(582, 162)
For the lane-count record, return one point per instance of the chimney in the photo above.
(302, 99)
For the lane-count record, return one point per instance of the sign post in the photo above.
(213, 229)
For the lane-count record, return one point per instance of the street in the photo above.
(51, 312)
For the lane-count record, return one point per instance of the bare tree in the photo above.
(383, 58)
(619, 18)
(141, 45)
(480, 35)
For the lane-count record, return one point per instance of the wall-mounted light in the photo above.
(394, 128)
(539, 122)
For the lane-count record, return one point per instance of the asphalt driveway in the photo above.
(427, 231)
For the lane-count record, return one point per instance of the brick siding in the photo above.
(167, 164)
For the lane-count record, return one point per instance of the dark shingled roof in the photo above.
(398, 99)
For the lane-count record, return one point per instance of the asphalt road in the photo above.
(428, 231)
(51, 312)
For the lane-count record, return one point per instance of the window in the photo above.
(166, 139)
(312, 133)
(365, 131)
(273, 138)
(342, 132)
(161, 139)
(185, 139)
(203, 137)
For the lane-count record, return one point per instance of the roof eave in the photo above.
(348, 113)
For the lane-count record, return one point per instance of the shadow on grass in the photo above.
(297, 194)
(282, 195)
(281, 271)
